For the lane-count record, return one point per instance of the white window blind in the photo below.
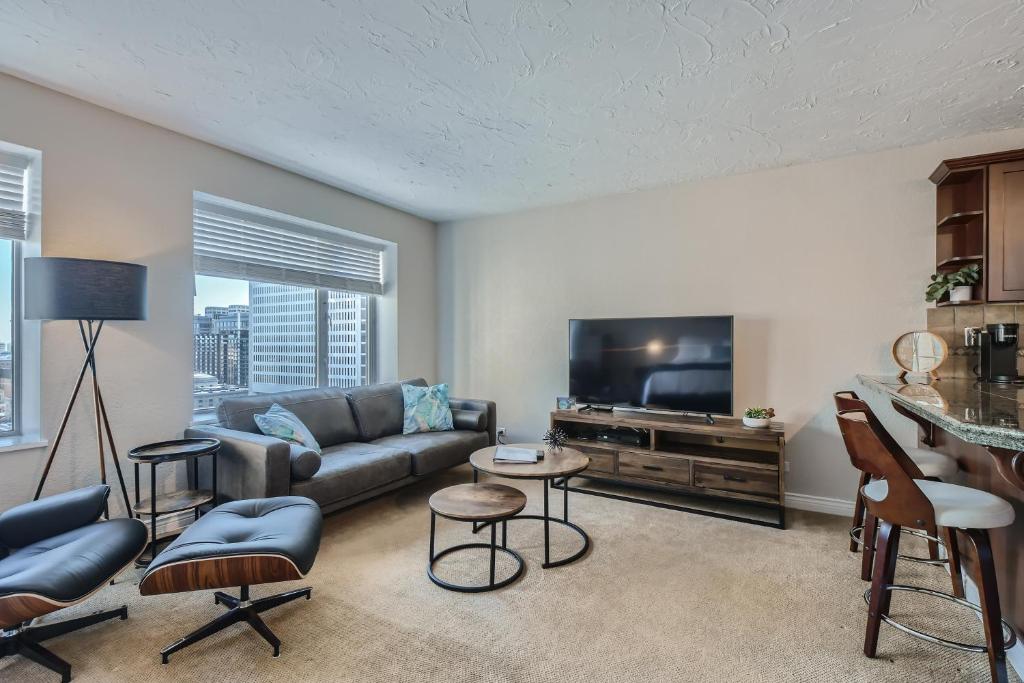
(234, 243)
(13, 197)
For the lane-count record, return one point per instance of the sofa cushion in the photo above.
(352, 468)
(304, 462)
(325, 412)
(379, 409)
(472, 420)
(432, 451)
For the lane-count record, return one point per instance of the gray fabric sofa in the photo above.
(364, 454)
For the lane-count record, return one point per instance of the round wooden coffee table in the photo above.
(487, 503)
(554, 465)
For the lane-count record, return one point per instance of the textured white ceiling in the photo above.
(458, 108)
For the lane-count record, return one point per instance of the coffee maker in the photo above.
(997, 351)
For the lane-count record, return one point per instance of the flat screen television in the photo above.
(682, 364)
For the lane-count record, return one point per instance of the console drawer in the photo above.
(736, 479)
(601, 459)
(654, 467)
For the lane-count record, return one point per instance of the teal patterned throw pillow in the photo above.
(284, 425)
(426, 409)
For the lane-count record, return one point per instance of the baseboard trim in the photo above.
(830, 506)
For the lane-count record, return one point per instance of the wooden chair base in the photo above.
(26, 641)
(998, 635)
(948, 542)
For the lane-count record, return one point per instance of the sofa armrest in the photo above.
(489, 408)
(248, 465)
(51, 516)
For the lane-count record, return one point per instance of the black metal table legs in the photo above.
(548, 521)
(492, 546)
(153, 513)
(154, 540)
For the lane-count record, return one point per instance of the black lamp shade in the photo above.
(84, 289)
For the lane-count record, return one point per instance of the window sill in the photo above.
(25, 442)
(201, 419)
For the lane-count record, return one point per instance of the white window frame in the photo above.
(381, 340)
(25, 334)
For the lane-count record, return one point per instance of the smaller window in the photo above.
(9, 254)
(15, 213)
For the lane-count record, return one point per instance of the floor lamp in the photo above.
(91, 292)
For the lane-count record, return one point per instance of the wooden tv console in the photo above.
(683, 454)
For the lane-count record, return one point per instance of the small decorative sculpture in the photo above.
(556, 438)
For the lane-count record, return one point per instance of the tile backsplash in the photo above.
(949, 322)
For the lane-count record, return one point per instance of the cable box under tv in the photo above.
(627, 437)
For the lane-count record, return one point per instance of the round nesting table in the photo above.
(487, 503)
(554, 465)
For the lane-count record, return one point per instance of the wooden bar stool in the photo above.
(898, 501)
(918, 463)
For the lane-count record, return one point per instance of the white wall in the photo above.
(116, 188)
(823, 265)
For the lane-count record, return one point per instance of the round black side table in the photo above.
(177, 501)
(484, 503)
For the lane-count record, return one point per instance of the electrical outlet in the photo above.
(787, 467)
(501, 431)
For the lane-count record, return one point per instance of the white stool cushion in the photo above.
(959, 507)
(933, 463)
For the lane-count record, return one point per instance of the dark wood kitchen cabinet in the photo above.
(980, 219)
(1006, 231)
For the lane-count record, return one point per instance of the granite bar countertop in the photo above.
(984, 413)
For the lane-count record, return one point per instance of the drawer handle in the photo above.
(734, 477)
(653, 467)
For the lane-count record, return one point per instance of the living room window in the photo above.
(280, 304)
(15, 217)
(9, 394)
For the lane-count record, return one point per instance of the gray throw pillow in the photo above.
(304, 462)
(283, 424)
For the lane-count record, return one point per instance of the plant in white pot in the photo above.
(758, 417)
(959, 285)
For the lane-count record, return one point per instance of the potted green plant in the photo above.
(959, 285)
(758, 417)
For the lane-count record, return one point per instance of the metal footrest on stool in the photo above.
(857, 531)
(1009, 636)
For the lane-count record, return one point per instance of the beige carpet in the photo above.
(663, 596)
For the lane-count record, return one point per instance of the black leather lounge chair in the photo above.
(239, 544)
(54, 553)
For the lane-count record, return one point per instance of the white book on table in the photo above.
(515, 454)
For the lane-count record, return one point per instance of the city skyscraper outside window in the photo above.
(6, 336)
(257, 337)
